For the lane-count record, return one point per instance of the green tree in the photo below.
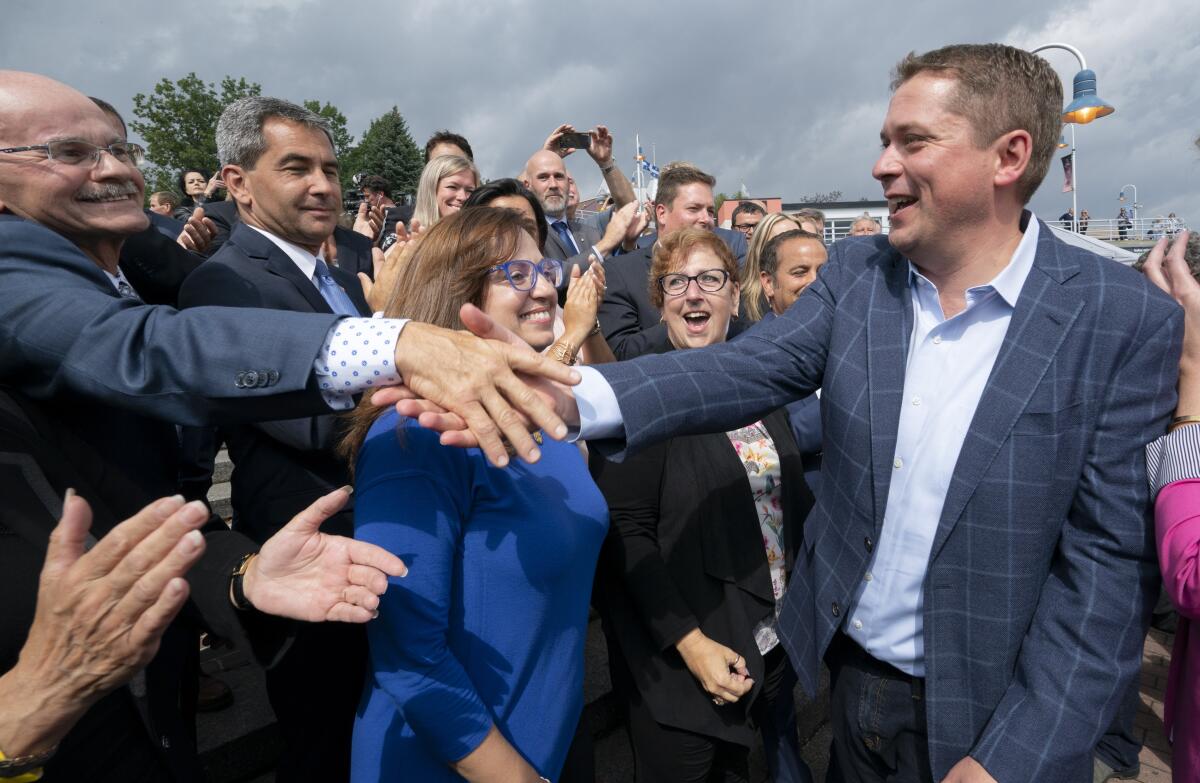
(386, 149)
(343, 142)
(178, 121)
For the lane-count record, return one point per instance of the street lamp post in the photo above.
(1136, 205)
(1084, 107)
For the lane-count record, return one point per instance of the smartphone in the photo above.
(578, 141)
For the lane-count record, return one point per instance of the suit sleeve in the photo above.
(731, 384)
(620, 323)
(1082, 650)
(632, 491)
(218, 284)
(413, 499)
(65, 334)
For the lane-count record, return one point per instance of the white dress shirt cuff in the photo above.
(359, 354)
(599, 413)
(1173, 457)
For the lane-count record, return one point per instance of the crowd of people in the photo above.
(954, 464)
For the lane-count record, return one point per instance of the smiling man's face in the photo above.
(82, 202)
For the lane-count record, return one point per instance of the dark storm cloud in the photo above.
(785, 97)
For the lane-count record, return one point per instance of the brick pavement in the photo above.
(1156, 752)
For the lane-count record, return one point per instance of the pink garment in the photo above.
(1177, 521)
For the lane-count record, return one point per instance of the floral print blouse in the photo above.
(757, 451)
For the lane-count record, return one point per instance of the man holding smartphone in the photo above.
(573, 241)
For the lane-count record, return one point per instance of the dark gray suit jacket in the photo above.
(279, 467)
(585, 235)
(1043, 571)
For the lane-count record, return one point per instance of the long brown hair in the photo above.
(447, 270)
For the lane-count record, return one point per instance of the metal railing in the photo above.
(1112, 229)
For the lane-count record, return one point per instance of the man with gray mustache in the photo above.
(112, 376)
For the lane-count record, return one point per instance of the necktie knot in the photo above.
(564, 235)
(339, 301)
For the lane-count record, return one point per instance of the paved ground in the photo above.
(237, 742)
(1156, 753)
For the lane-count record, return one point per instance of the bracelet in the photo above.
(24, 769)
(611, 165)
(1180, 421)
(237, 593)
(595, 329)
(563, 351)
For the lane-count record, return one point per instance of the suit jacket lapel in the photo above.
(277, 262)
(889, 326)
(1041, 321)
(553, 243)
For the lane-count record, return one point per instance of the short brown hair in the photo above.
(1000, 89)
(166, 197)
(672, 251)
(674, 176)
(447, 270)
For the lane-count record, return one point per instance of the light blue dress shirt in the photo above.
(949, 361)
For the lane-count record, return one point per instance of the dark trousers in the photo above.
(877, 714)
(670, 755)
(315, 689)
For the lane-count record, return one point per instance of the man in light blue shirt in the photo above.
(977, 568)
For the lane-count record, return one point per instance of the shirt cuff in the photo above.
(359, 354)
(599, 413)
(1173, 457)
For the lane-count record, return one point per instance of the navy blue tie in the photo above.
(564, 234)
(339, 301)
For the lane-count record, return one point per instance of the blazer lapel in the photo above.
(1041, 321)
(277, 262)
(889, 325)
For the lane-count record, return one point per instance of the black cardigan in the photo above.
(685, 550)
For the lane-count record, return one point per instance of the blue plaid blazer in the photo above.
(1043, 569)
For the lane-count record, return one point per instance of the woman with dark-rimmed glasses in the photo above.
(476, 659)
(705, 529)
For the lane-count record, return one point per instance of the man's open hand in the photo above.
(308, 575)
(474, 391)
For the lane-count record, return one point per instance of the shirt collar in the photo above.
(1011, 278)
(303, 259)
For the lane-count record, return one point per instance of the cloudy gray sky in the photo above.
(785, 97)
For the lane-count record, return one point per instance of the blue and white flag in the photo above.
(646, 165)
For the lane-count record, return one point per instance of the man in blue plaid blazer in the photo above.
(979, 567)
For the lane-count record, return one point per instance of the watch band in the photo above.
(237, 593)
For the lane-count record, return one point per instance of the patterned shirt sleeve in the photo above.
(1173, 457)
(359, 354)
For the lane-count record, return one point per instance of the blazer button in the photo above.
(272, 377)
(837, 610)
(868, 543)
(251, 379)
(240, 381)
(263, 378)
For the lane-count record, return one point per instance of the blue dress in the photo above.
(489, 625)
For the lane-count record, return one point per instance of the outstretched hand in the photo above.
(497, 386)
(308, 575)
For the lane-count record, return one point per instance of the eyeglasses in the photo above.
(710, 280)
(745, 228)
(73, 152)
(522, 275)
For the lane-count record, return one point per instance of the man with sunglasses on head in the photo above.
(117, 374)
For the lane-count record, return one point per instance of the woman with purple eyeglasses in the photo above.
(476, 658)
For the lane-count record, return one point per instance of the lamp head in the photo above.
(1062, 142)
(1086, 105)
